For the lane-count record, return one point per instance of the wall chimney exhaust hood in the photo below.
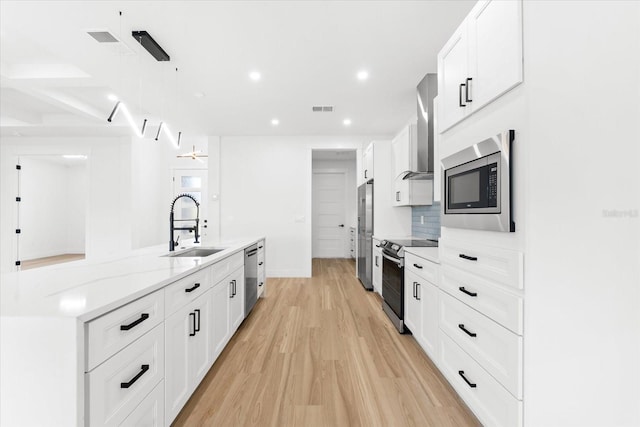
(427, 90)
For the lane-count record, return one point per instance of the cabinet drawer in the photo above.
(424, 269)
(117, 387)
(149, 413)
(493, 301)
(222, 269)
(495, 348)
(185, 290)
(111, 332)
(499, 265)
(489, 401)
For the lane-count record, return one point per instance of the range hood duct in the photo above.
(427, 90)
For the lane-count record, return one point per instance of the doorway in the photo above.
(52, 209)
(193, 182)
(333, 202)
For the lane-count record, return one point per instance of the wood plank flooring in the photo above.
(320, 352)
(50, 260)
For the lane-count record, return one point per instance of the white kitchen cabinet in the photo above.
(404, 157)
(481, 61)
(150, 412)
(236, 302)
(220, 331)
(367, 164)
(262, 275)
(421, 302)
(377, 267)
(188, 352)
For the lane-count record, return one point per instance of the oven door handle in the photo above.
(393, 260)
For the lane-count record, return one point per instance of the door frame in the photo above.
(344, 173)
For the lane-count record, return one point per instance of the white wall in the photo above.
(577, 119)
(53, 207)
(265, 185)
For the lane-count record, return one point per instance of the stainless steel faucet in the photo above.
(173, 243)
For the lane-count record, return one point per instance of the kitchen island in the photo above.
(89, 342)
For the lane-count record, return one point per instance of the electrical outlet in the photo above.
(421, 219)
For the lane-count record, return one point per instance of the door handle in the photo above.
(341, 226)
(467, 90)
(418, 291)
(197, 327)
(468, 257)
(462, 85)
(466, 331)
(365, 174)
(472, 385)
(231, 285)
(193, 315)
(397, 196)
(193, 288)
(414, 289)
(464, 291)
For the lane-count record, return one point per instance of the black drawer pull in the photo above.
(261, 283)
(472, 385)
(193, 288)
(462, 85)
(260, 247)
(417, 266)
(197, 328)
(467, 257)
(260, 263)
(193, 315)
(467, 90)
(464, 291)
(143, 317)
(418, 291)
(143, 369)
(414, 289)
(466, 331)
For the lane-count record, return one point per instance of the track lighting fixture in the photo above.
(159, 130)
(115, 110)
(144, 127)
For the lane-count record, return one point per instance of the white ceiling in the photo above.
(55, 78)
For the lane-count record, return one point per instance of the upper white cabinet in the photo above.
(404, 157)
(481, 61)
(367, 164)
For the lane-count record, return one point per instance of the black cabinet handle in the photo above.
(197, 328)
(460, 95)
(417, 266)
(414, 289)
(377, 246)
(418, 291)
(365, 174)
(466, 331)
(193, 315)
(260, 263)
(472, 385)
(377, 265)
(233, 288)
(143, 369)
(260, 247)
(193, 288)
(468, 257)
(397, 196)
(143, 317)
(464, 291)
(467, 90)
(261, 283)
(341, 226)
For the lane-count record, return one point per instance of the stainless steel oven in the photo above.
(393, 277)
(477, 186)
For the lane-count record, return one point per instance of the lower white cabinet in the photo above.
(262, 276)
(377, 267)
(117, 386)
(188, 352)
(149, 413)
(220, 330)
(421, 312)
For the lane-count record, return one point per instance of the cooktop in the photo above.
(424, 243)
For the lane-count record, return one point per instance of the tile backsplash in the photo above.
(431, 227)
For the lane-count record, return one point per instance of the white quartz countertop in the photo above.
(431, 254)
(89, 288)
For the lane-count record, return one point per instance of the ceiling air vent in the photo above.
(103, 36)
(322, 109)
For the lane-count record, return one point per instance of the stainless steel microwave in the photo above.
(476, 186)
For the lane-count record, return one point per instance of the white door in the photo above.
(220, 318)
(193, 182)
(329, 235)
(236, 305)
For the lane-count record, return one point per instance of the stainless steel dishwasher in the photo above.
(250, 278)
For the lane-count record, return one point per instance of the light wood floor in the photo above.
(50, 260)
(320, 352)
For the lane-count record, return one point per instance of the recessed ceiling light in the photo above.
(255, 76)
(275, 122)
(112, 97)
(199, 95)
(347, 122)
(362, 75)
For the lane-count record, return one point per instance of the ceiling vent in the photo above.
(322, 109)
(103, 36)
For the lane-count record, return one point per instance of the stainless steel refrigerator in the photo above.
(365, 234)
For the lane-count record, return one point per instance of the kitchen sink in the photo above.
(196, 252)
